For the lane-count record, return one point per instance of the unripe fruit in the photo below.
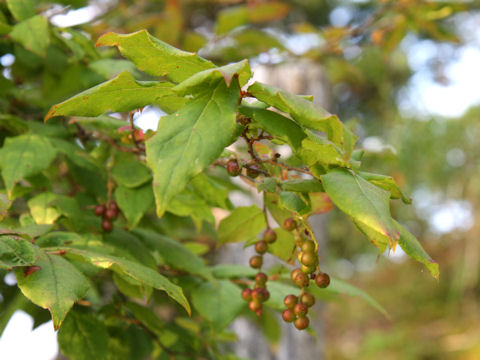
(256, 261)
(269, 235)
(322, 280)
(309, 259)
(312, 276)
(308, 246)
(247, 294)
(301, 280)
(260, 294)
(255, 305)
(233, 167)
(300, 309)
(308, 299)
(308, 269)
(289, 224)
(110, 214)
(261, 278)
(294, 273)
(302, 323)
(100, 210)
(261, 247)
(290, 301)
(288, 315)
(107, 225)
(252, 171)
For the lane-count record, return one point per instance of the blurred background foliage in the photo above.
(365, 48)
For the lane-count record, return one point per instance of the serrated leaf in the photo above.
(122, 93)
(154, 56)
(56, 286)
(305, 112)
(21, 9)
(15, 251)
(23, 156)
(83, 337)
(132, 269)
(41, 210)
(134, 202)
(33, 34)
(244, 223)
(191, 139)
(388, 183)
(365, 203)
(316, 150)
(219, 303)
(294, 202)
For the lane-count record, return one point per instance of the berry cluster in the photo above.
(259, 294)
(109, 213)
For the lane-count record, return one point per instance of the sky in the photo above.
(422, 98)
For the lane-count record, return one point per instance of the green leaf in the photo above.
(122, 93)
(294, 202)
(146, 316)
(412, 247)
(230, 18)
(83, 337)
(23, 156)
(155, 57)
(5, 204)
(304, 186)
(191, 139)
(284, 246)
(15, 251)
(33, 34)
(188, 203)
(212, 192)
(316, 150)
(174, 253)
(388, 183)
(134, 202)
(219, 303)
(305, 112)
(128, 171)
(229, 271)
(56, 286)
(41, 210)
(132, 288)
(243, 224)
(367, 204)
(132, 269)
(21, 9)
(268, 184)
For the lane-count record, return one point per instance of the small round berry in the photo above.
(300, 309)
(322, 280)
(301, 280)
(290, 301)
(308, 269)
(312, 276)
(269, 235)
(253, 171)
(266, 294)
(100, 210)
(302, 323)
(308, 299)
(110, 214)
(256, 261)
(107, 225)
(259, 312)
(261, 247)
(254, 305)
(295, 272)
(289, 224)
(288, 315)
(113, 206)
(309, 259)
(233, 167)
(261, 278)
(247, 294)
(308, 246)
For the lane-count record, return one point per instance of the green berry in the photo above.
(308, 246)
(309, 259)
(294, 273)
(308, 299)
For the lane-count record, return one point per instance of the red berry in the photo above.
(288, 315)
(233, 167)
(302, 323)
(100, 210)
(247, 294)
(259, 312)
(312, 276)
(113, 206)
(300, 309)
(261, 247)
(270, 235)
(322, 280)
(260, 294)
(256, 261)
(290, 301)
(301, 280)
(253, 171)
(308, 299)
(261, 278)
(294, 273)
(107, 225)
(110, 214)
(289, 224)
(254, 305)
